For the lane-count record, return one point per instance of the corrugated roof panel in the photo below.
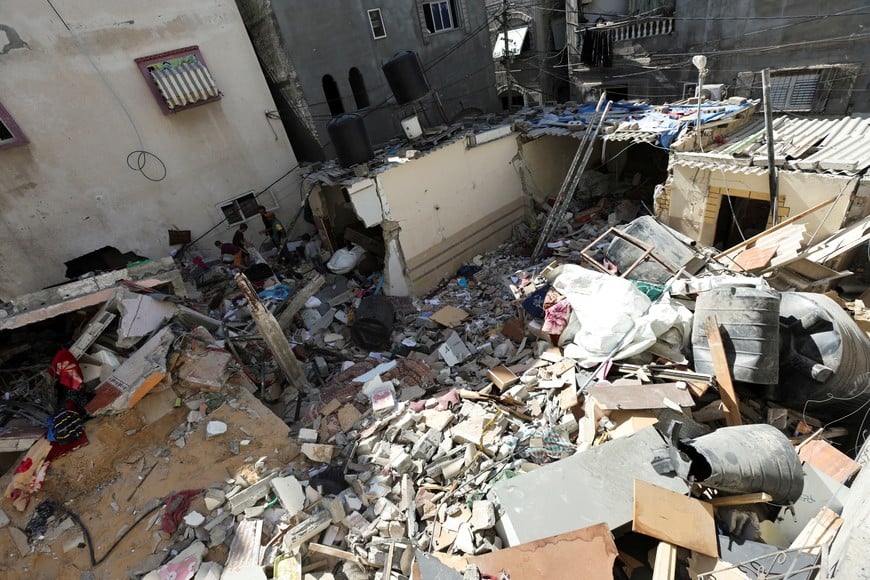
(185, 84)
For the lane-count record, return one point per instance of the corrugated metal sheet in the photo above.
(811, 144)
(185, 84)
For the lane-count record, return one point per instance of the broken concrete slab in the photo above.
(250, 495)
(135, 377)
(594, 486)
(140, 316)
(207, 372)
(58, 300)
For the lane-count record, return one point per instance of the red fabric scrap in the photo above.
(65, 368)
(176, 506)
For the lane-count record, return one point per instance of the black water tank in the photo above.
(350, 139)
(405, 77)
(373, 322)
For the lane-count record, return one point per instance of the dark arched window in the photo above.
(358, 86)
(333, 97)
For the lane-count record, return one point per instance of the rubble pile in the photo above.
(630, 403)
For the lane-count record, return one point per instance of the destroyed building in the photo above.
(537, 344)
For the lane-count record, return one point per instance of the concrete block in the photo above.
(248, 497)
(453, 351)
(482, 515)
(290, 494)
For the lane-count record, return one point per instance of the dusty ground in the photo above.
(96, 481)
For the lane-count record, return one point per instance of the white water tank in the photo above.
(411, 127)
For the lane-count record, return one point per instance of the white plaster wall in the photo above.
(688, 197)
(70, 191)
(436, 196)
(799, 192)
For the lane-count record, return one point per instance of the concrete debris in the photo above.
(518, 419)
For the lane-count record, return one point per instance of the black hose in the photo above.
(81, 524)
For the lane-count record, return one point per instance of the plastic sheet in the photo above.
(611, 313)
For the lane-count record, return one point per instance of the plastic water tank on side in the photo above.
(406, 77)
(749, 323)
(350, 138)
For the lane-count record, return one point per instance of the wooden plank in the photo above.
(665, 567)
(626, 397)
(245, 549)
(560, 557)
(568, 398)
(820, 531)
(332, 552)
(753, 259)
(723, 374)
(669, 516)
(632, 426)
(743, 499)
(827, 459)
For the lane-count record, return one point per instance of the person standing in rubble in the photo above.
(276, 232)
(312, 253)
(240, 241)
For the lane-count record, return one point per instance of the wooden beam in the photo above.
(285, 317)
(274, 337)
(723, 374)
(743, 499)
(818, 532)
(332, 552)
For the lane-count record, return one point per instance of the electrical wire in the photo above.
(141, 155)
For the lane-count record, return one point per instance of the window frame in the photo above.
(380, 20)
(144, 62)
(783, 85)
(18, 137)
(428, 15)
(258, 200)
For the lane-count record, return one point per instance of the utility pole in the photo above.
(773, 184)
(506, 60)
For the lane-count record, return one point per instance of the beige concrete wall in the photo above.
(695, 198)
(546, 161)
(451, 204)
(70, 191)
